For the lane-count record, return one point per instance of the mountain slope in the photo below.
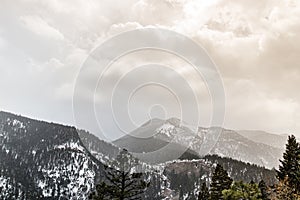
(274, 140)
(145, 145)
(145, 140)
(40, 159)
(195, 172)
(100, 149)
(223, 142)
(231, 144)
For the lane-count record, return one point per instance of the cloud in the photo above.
(2, 43)
(258, 109)
(254, 44)
(40, 27)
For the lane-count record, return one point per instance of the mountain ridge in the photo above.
(214, 140)
(41, 160)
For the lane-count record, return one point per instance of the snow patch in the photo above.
(18, 124)
(70, 145)
(166, 129)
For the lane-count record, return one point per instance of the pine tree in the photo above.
(204, 193)
(122, 183)
(282, 191)
(174, 180)
(290, 165)
(102, 192)
(180, 192)
(154, 191)
(242, 191)
(263, 190)
(220, 182)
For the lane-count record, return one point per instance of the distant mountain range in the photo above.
(274, 140)
(139, 141)
(41, 160)
(246, 146)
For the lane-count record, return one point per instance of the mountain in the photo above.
(41, 160)
(274, 140)
(44, 160)
(223, 142)
(100, 149)
(233, 145)
(138, 142)
(192, 173)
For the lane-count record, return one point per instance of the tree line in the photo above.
(223, 187)
(123, 182)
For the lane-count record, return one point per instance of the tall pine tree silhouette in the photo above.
(220, 182)
(122, 183)
(290, 165)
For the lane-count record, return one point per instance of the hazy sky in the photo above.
(255, 44)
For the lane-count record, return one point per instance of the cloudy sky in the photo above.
(255, 45)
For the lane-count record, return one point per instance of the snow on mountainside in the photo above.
(231, 144)
(100, 149)
(274, 140)
(144, 140)
(192, 173)
(227, 143)
(40, 159)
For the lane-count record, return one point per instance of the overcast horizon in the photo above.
(255, 46)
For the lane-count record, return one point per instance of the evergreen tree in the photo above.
(290, 165)
(220, 181)
(282, 191)
(174, 180)
(204, 193)
(263, 190)
(154, 191)
(180, 193)
(102, 192)
(122, 182)
(242, 191)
